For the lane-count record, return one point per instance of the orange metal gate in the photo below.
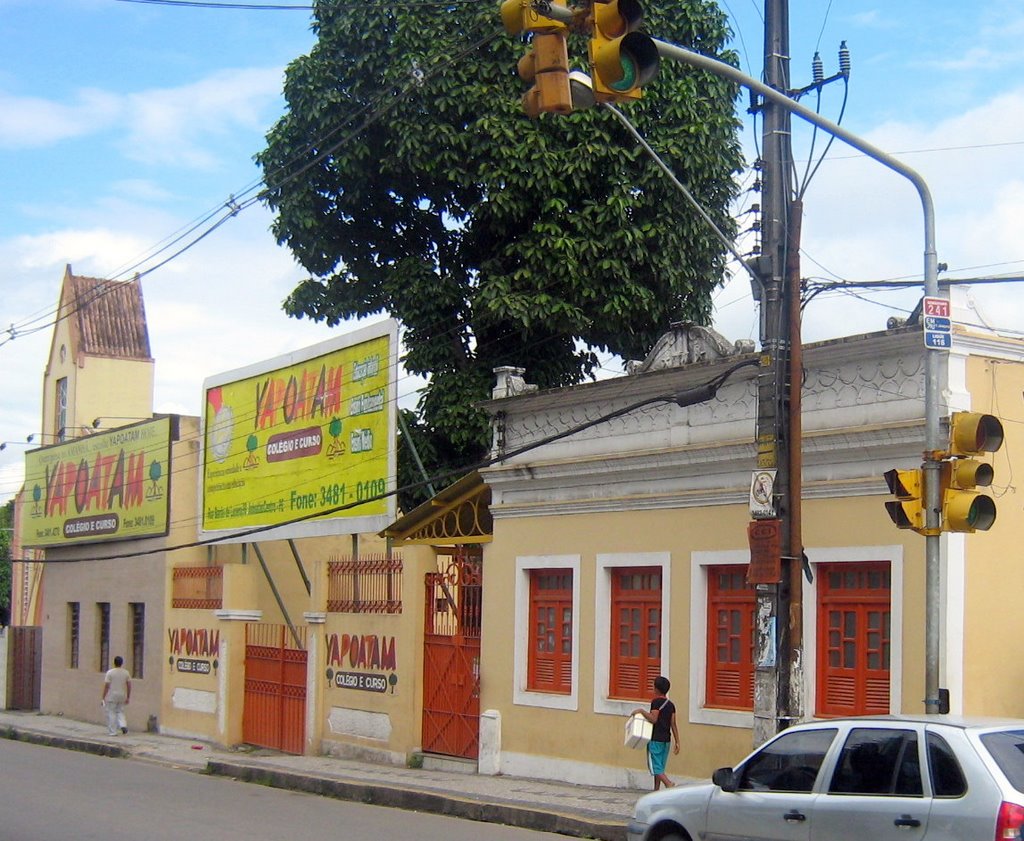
(451, 657)
(274, 715)
(26, 654)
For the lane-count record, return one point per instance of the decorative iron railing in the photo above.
(368, 584)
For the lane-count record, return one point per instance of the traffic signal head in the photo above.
(907, 510)
(546, 67)
(971, 433)
(519, 16)
(963, 508)
(621, 59)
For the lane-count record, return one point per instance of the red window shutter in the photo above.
(854, 610)
(635, 655)
(730, 639)
(549, 667)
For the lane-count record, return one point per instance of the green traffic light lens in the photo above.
(982, 513)
(629, 74)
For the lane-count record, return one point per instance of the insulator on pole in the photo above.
(817, 69)
(844, 59)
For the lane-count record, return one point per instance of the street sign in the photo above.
(938, 326)
(762, 493)
(765, 540)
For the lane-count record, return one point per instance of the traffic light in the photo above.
(519, 16)
(971, 433)
(963, 508)
(546, 67)
(907, 510)
(621, 59)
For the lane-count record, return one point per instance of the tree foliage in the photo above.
(406, 179)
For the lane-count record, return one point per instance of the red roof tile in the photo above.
(108, 316)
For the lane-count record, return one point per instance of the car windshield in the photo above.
(1007, 749)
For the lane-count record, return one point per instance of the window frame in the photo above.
(858, 739)
(702, 565)
(606, 562)
(521, 694)
(74, 634)
(643, 601)
(60, 409)
(745, 601)
(103, 634)
(762, 756)
(700, 562)
(859, 602)
(137, 639)
(557, 600)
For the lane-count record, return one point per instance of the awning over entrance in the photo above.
(458, 514)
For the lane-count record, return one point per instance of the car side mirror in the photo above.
(725, 779)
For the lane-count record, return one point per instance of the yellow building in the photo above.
(620, 552)
(513, 622)
(99, 372)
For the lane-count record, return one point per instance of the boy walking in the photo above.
(662, 716)
(117, 691)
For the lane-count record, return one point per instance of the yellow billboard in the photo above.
(107, 486)
(305, 443)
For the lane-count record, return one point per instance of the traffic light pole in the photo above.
(933, 358)
(779, 285)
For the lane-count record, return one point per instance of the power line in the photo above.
(687, 397)
(199, 5)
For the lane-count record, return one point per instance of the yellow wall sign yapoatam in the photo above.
(303, 442)
(107, 486)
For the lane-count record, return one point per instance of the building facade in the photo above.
(620, 552)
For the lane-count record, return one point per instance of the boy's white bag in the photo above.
(638, 731)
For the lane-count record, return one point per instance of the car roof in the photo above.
(958, 721)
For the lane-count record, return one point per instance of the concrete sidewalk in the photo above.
(580, 811)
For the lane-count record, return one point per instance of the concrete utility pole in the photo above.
(774, 643)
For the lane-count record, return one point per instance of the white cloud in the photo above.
(29, 122)
(171, 126)
(865, 222)
(162, 126)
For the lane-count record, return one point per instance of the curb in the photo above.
(419, 800)
(508, 813)
(65, 742)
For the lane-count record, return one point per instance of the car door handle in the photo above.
(793, 816)
(907, 821)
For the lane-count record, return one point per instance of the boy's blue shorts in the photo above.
(657, 756)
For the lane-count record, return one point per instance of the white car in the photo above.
(942, 778)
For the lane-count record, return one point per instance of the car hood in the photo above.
(690, 799)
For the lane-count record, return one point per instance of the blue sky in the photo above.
(122, 123)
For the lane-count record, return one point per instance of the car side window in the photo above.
(790, 763)
(879, 761)
(947, 777)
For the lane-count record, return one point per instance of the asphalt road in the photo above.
(49, 794)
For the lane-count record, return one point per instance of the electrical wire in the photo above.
(682, 398)
(385, 102)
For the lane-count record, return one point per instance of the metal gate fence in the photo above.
(274, 715)
(451, 657)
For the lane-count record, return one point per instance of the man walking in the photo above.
(117, 691)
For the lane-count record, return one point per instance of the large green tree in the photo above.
(406, 179)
